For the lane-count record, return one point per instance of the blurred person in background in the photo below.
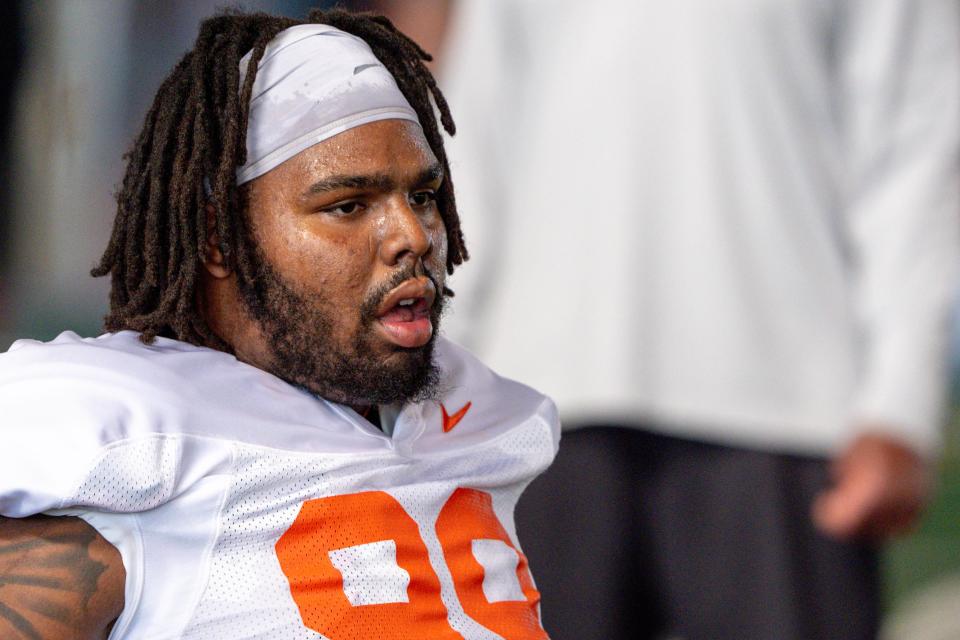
(723, 235)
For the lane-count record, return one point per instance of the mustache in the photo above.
(368, 310)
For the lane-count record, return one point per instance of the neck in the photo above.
(371, 414)
(220, 306)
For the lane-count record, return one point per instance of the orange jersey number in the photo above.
(358, 568)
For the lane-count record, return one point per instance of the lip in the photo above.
(419, 287)
(413, 332)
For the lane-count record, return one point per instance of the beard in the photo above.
(300, 331)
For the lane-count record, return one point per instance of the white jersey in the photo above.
(244, 507)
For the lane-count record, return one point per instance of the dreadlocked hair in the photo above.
(186, 156)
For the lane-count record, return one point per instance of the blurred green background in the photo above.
(933, 551)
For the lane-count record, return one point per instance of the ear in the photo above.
(213, 260)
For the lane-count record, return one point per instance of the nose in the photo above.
(407, 234)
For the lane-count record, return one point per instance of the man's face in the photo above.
(350, 254)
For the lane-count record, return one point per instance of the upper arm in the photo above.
(58, 579)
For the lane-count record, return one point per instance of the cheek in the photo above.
(436, 262)
(330, 265)
(438, 235)
(440, 250)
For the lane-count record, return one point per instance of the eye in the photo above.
(423, 198)
(343, 208)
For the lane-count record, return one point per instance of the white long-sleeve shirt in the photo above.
(736, 220)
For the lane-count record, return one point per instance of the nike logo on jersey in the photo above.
(449, 422)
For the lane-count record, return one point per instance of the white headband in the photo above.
(313, 82)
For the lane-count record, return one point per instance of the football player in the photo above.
(272, 441)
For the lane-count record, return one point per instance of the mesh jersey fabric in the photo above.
(244, 507)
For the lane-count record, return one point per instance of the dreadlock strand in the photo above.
(132, 188)
(160, 168)
(179, 202)
(232, 149)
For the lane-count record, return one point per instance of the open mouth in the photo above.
(404, 314)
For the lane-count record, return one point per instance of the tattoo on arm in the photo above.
(58, 579)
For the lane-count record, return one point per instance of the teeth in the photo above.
(407, 302)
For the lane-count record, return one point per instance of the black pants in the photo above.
(635, 535)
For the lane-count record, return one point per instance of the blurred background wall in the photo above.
(76, 78)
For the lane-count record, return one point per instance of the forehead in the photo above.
(397, 148)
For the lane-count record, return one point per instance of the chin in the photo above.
(367, 374)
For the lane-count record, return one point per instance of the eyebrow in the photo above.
(371, 182)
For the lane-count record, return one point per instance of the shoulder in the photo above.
(112, 355)
(107, 407)
(115, 382)
(490, 404)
